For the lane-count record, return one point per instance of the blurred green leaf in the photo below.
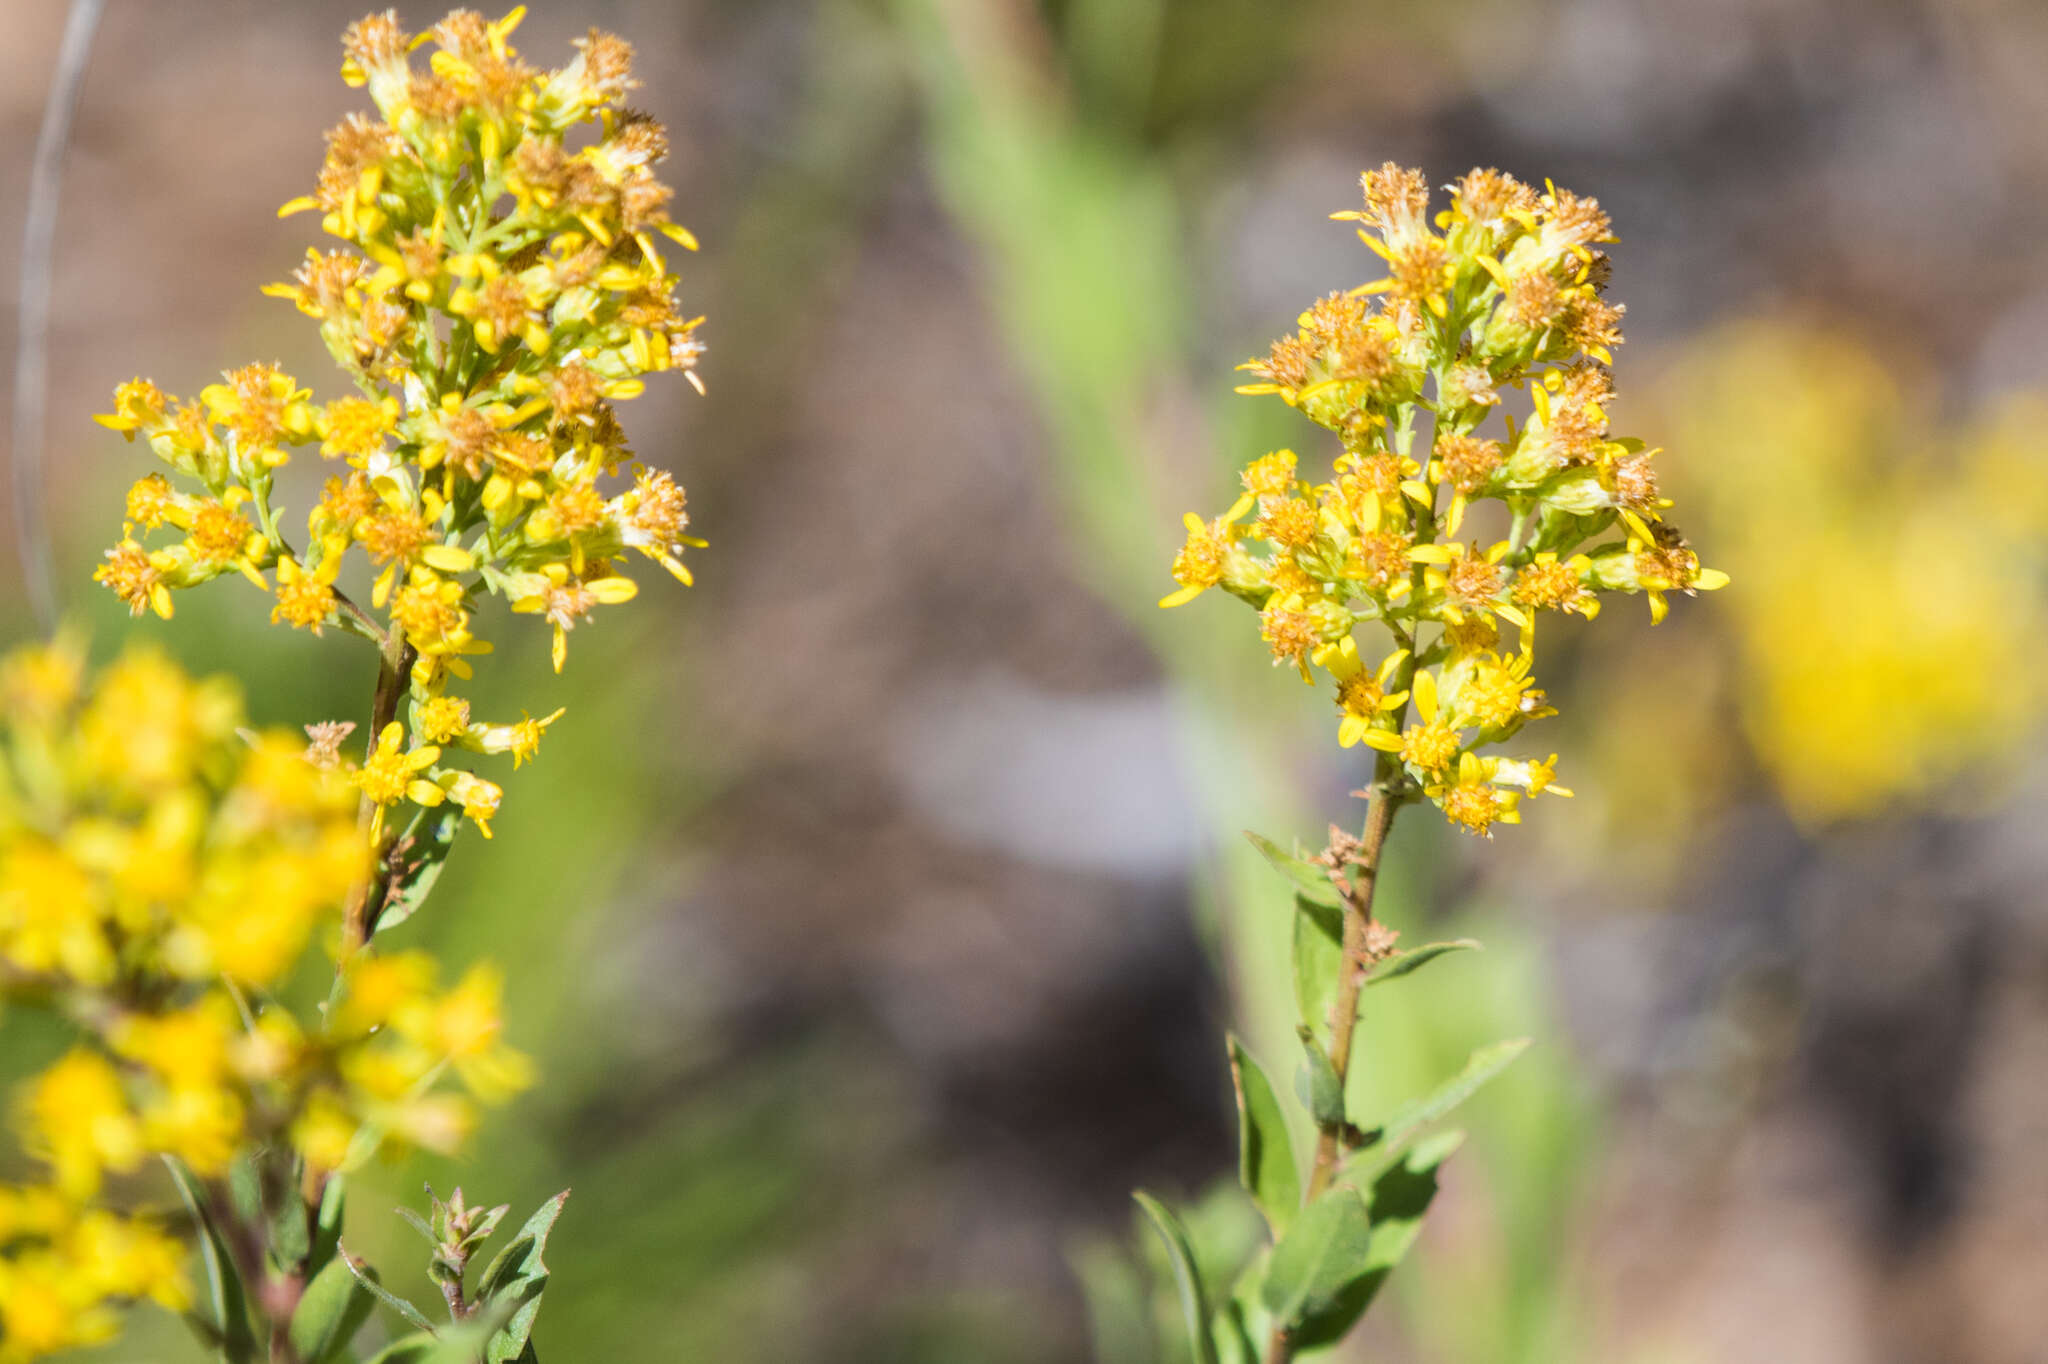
(1187, 1276)
(1309, 879)
(418, 1224)
(1384, 1142)
(1113, 1288)
(1324, 1254)
(227, 1329)
(452, 1345)
(1406, 963)
(1233, 1335)
(327, 1224)
(417, 1348)
(515, 1280)
(1318, 956)
(330, 1312)
(1400, 1197)
(1321, 1092)
(291, 1238)
(245, 1188)
(1265, 1152)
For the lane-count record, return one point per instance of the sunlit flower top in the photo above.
(501, 285)
(1493, 306)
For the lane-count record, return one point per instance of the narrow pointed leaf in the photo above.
(1309, 879)
(227, 1317)
(1233, 1335)
(330, 1312)
(1395, 1207)
(1316, 1083)
(367, 1277)
(454, 1345)
(417, 1348)
(425, 854)
(1384, 1143)
(1322, 1255)
(1318, 957)
(1187, 1276)
(1265, 1152)
(245, 1188)
(515, 1280)
(1403, 963)
(291, 1240)
(327, 1224)
(1113, 1290)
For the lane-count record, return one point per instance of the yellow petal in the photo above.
(1425, 696)
(448, 558)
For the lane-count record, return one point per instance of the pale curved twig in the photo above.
(32, 316)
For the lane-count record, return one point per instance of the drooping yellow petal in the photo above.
(1425, 696)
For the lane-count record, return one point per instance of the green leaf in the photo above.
(1113, 1289)
(417, 1348)
(1403, 963)
(419, 1224)
(1384, 1143)
(245, 1189)
(1322, 1256)
(1265, 1152)
(291, 1235)
(227, 1328)
(515, 1280)
(424, 849)
(1310, 880)
(330, 1312)
(327, 1224)
(1187, 1277)
(1318, 957)
(454, 1345)
(1316, 1083)
(367, 1277)
(1233, 1335)
(1400, 1197)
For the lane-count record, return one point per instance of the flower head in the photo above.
(1505, 290)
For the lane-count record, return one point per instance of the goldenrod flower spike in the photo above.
(494, 293)
(1503, 290)
(496, 288)
(1363, 577)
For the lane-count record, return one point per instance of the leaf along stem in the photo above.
(1358, 890)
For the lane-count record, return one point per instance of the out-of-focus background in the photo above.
(867, 911)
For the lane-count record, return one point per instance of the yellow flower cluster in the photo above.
(497, 293)
(63, 1267)
(1496, 302)
(1894, 541)
(163, 871)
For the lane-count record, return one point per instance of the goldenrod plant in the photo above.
(1427, 639)
(206, 906)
